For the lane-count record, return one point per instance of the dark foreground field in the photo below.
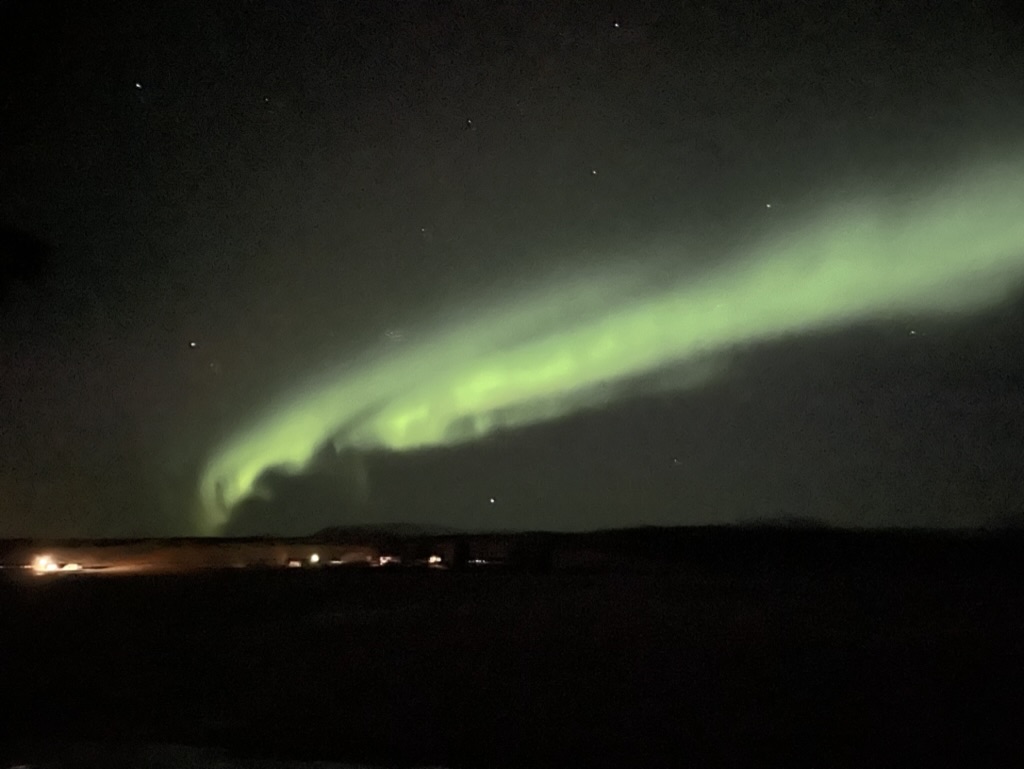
(780, 650)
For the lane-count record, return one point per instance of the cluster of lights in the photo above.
(44, 564)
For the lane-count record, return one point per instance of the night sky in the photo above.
(515, 220)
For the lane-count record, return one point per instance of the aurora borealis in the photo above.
(280, 266)
(955, 248)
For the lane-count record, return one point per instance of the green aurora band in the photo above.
(952, 248)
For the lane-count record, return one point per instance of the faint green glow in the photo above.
(955, 248)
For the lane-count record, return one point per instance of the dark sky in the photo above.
(204, 204)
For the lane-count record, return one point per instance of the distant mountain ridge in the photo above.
(397, 529)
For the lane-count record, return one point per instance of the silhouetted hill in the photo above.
(390, 531)
(786, 522)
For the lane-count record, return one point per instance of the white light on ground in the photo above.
(43, 563)
(434, 559)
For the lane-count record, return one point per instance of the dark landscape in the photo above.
(685, 647)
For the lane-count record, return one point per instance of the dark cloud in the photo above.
(331, 490)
